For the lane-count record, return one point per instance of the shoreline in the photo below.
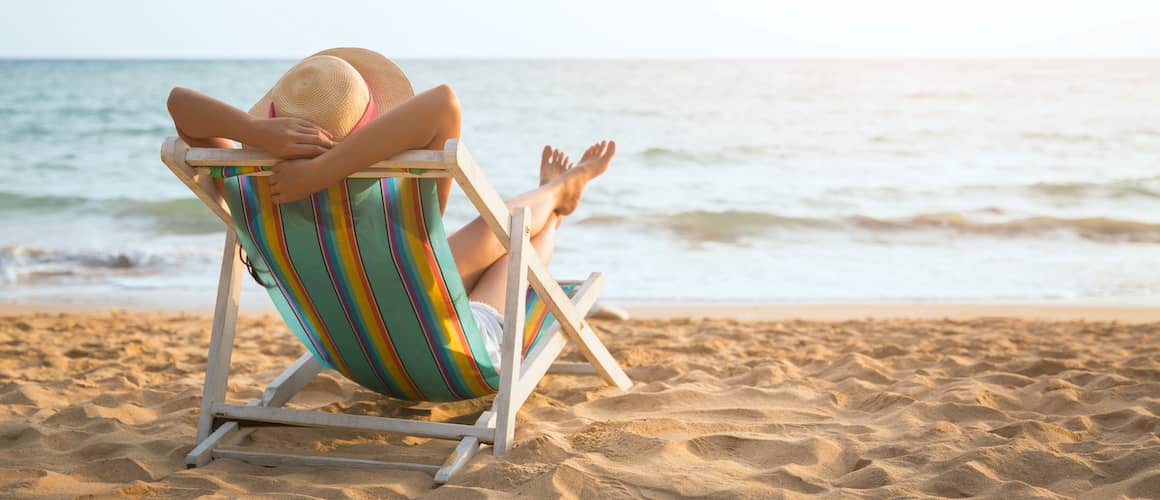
(1126, 311)
(845, 311)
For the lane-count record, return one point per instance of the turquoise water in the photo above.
(736, 180)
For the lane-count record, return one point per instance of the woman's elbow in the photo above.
(448, 105)
(177, 96)
(447, 98)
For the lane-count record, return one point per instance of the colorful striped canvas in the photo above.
(226, 172)
(363, 275)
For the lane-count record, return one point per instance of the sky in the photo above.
(583, 29)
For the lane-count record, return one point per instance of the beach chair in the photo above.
(363, 275)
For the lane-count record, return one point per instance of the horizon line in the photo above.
(599, 58)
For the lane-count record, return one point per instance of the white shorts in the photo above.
(490, 323)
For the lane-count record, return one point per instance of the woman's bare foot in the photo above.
(553, 162)
(571, 183)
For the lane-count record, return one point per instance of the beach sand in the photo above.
(106, 404)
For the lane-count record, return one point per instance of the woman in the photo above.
(341, 110)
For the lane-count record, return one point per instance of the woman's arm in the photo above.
(203, 121)
(425, 121)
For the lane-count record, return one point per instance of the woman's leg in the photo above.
(491, 289)
(476, 248)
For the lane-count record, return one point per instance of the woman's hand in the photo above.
(293, 180)
(289, 138)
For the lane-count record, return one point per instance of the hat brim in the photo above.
(387, 84)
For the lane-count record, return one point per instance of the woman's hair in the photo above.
(250, 267)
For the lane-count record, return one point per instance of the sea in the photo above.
(739, 181)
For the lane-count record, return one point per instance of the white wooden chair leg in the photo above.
(602, 361)
(572, 368)
(513, 328)
(463, 453)
(173, 153)
(284, 387)
(221, 342)
(268, 459)
(290, 381)
(574, 325)
(202, 454)
(542, 356)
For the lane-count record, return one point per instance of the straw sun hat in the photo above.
(337, 89)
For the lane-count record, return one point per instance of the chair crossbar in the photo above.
(463, 452)
(290, 381)
(214, 157)
(303, 418)
(572, 368)
(267, 459)
(370, 173)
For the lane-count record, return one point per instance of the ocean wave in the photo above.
(36, 130)
(733, 225)
(1111, 190)
(722, 226)
(24, 264)
(738, 152)
(178, 216)
(939, 96)
(730, 225)
(606, 220)
(38, 202)
(182, 216)
(1060, 137)
(1102, 229)
(133, 131)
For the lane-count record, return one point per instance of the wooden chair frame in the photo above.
(219, 422)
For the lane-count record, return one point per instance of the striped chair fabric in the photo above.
(363, 275)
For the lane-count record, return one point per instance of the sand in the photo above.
(105, 404)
